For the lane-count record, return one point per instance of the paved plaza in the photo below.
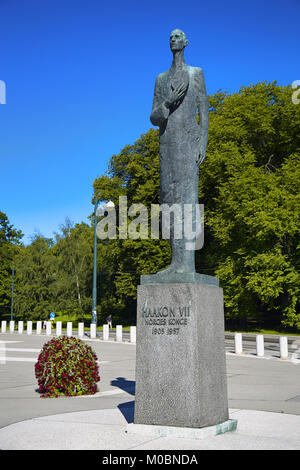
(264, 395)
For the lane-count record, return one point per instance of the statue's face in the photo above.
(177, 40)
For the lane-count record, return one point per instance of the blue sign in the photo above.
(52, 315)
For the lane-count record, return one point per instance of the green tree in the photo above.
(55, 275)
(74, 256)
(250, 187)
(35, 279)
(9, 242)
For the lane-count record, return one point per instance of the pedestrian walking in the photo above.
(109, 321)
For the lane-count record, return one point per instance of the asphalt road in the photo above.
(266, 384)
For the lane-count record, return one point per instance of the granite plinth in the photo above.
(180, 357)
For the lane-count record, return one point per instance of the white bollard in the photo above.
(260, 349)
(48, 328)
(119, 333)
(20, 327)
(38, 327)
(284, 351)
(58, 328)
(238, 343)
(133, 334)
(105, 333)
(12, 326)
(93, 331)
(80, 330)
(3, 326)
(69, 328)
(29, 327)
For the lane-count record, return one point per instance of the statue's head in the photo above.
(178, 40)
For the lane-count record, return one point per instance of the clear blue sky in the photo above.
(80, 78)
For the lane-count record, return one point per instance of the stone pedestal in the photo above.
(180, 358)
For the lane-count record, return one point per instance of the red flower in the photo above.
(68, 375)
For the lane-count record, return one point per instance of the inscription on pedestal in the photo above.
(166, 319)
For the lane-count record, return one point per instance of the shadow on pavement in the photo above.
(127, 410)
(126, 385)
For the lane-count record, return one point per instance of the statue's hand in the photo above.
(176, 94)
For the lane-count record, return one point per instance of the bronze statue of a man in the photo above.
(180, 109)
